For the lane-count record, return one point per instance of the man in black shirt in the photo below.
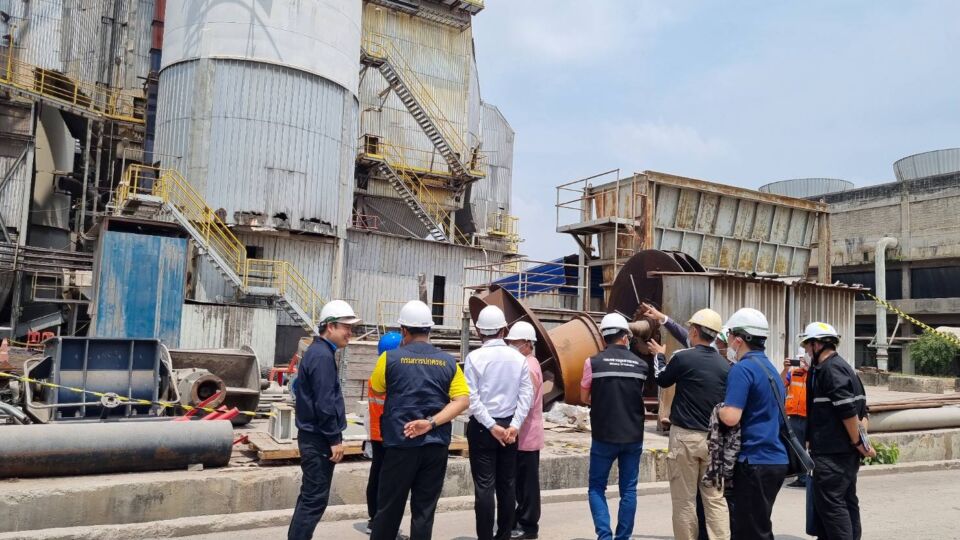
(836, 433)
(700, 376)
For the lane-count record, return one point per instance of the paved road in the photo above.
(895, 507)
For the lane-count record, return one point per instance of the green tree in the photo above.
(934, 355)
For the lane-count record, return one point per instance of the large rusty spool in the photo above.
(561, 350)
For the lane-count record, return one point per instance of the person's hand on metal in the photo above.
(416, 428)
(336, 453)
(500, 434)
(652, 312)
(656, 348)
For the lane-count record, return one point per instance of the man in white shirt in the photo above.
(501, 392)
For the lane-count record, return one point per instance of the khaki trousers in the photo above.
(686, 463)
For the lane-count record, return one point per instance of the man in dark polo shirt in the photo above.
(700, 376)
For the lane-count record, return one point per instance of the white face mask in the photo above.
(807, 360)
(731, 354)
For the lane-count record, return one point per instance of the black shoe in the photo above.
(522, 535)
(798, 484)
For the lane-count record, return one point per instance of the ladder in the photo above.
(150, 192)
(377, 51)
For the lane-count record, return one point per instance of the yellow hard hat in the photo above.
(708, 319)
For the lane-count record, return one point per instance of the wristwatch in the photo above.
(433, 424)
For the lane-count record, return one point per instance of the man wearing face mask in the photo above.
(523, 337)
(837, 406)
(754, 403)
(700, 376)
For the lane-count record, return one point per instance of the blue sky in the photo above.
(740, 92)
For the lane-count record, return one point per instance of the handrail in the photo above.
(393, 157)
(381, 46)
(507, 227)
(171, 188)
(100, 100)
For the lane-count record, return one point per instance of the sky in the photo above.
(738, 92)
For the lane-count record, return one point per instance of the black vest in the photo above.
(616, 396)
(418, 386)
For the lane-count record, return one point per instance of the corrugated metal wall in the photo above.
(382, 270)
(832, 305)
(14, 196)
(140, 285)
(206, 326)
(311, 256)
(86, 40)
(441, 57)
(730, 233)
(36, 30)
(261, 139)
(491, 194)
(788, 308)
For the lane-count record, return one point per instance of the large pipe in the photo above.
(880, 279)
(915, 419)
(66, 449)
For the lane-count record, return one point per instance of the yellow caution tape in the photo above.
(124, 399)
(926, 328)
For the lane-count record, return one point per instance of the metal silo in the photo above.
(257, 108)
(35, 28)
(927, 164)
(802, 188)
(490, 196)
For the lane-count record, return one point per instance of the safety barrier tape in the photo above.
(926, 328)
(125, 399)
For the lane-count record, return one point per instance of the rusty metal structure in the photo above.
(725, 228)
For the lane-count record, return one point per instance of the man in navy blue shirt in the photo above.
(321, 418)
(754, 403)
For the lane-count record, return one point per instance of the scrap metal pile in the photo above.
(102, 405)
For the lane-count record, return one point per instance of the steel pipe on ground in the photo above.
(915, 419)
(63, 449)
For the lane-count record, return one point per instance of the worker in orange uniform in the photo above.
(523, 338)
(389, 342)
(794, 377)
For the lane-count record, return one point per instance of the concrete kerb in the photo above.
(280, 518)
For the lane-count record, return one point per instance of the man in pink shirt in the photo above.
(530, 440)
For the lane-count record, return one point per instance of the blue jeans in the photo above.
(602, 456)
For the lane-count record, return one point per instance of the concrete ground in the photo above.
(894, 507)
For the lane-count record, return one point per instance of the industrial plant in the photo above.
(185, 184)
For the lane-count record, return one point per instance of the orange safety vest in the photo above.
(375, 409)
(797, 394)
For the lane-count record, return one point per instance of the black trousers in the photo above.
(755, 489)
(494, 471)
(417, 472)
(373, 481)
(528, 491)
(837, 515)
(315, 488)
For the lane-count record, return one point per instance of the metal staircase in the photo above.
(389, 163)
(153, 193)
(92, 101)
(377, 51)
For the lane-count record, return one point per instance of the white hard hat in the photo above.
(722, 334)
(708, 319)
(818, 330)
(522, 331)
(416, 314)
(491, 320)
(749, 321)
(338, 311)
(613, 323)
